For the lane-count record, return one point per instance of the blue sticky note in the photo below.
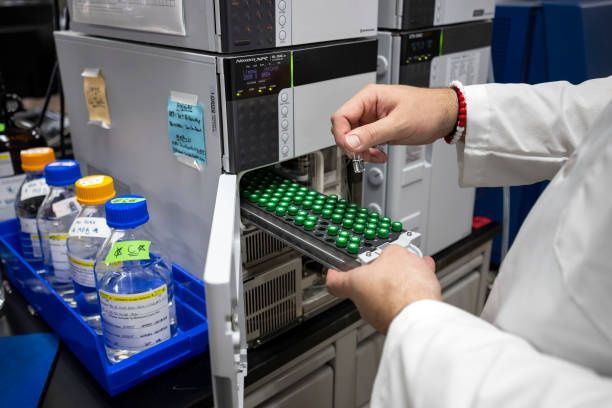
(186, 130)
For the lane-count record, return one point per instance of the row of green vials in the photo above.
(348, 223)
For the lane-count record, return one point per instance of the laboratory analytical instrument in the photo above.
(226, 25)
(419, 184)
(410, 14)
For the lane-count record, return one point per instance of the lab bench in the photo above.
(329, 360)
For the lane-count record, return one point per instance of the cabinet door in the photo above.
(464, 294)
(222, 278)
(315, 390)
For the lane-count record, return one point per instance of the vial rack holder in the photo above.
(329, 229)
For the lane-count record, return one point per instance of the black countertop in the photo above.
(188, 384)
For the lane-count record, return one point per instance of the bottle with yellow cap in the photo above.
(30, 196)
(86, 236)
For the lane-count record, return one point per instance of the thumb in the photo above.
(338, 283)
(431, 264)
(370, 135)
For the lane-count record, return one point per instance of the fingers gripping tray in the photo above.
(75, 333)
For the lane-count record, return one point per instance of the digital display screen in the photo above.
(420, 47)
(259, 75)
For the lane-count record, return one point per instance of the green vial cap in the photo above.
(319, 202)
(337, 218)
(348, 216)
(312, 218)
(372, 225)
(322, 197)
(369, 233)
(266, 195)
(339, 211)
(298, 199)
(332, 197)
(344, 234)
(254, 198)
(309, 225)
(355, 239)
(303, 189)
(351, 211)
(383, 233)
(347, 223)
(363, 211)
(362, 219)
(358, 228)
(274, 200)
(353, 248)
(277, 195)
(329, 207)
(340, 205)
(332, 230)
(384, 225)
(271, 206)
(290, 193)
(397, 226)
(299, 220)
(341, 242)
(269, 190)
(353, 206)
(281, 211)
(263, 201)
(303, 213)
(374, 215)
(293, 210)
(307, 204)
(313, 193)
(317, 208)
(327, 213)
(386, 219)
(342, 201)
(286, 200)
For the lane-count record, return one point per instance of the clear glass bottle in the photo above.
(134, 283)
(87, 234)
(30, 196)
(55, 217)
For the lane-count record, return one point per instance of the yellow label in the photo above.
(94, 88)
(57, 237)
(134, 298)
(81, 262)
(5, 156)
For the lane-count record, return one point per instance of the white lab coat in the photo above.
(545, 339)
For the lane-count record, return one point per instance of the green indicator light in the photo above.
(307, 204)
(337, 218)
(312, 218)
(353, 248)
(358, 228)
(254, 198)
(309, 225)
(344, 234)
(332, 230)
(317, 208)
(327, 213)
(397, 226)
(281, 211)
(383, 233)
(347, 224)
(300, 220)
(303, 213)
(369, 233)
(293, 210)
(386, 219)
(341, 242)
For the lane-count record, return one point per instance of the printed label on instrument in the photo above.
(34, 188)
(82, 271)
(136, 321)
(59, 256)
(128, 251)
(94, 227)
(6, 165)
(9, 187)
(66, 207)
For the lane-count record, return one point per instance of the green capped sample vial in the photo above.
(383, 233)
(307, 204)
(317, 208)
(281, 211)
(353, 248)
(326, 213)
(369, 233)
(299, 220)
(341, 242)
(298, 199)
(271, 206)
(344, 234)
(356, 240)
(358, 228)
(302, 213)
(332, 230)
(254, 198)
(386, 220)
(347, 223)
(309, 225)
(312, 218)
(293, 210)
(337, 218)
(263, 202)
(397, 226)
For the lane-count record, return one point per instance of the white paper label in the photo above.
(82, 271)
(59, 257)
(6, 165)
(28, 226)
(9, 186)
(91, 181)
(66, 207)
(136, 321)
(34, 188)
(89, 227)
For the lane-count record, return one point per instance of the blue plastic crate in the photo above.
(191, 339)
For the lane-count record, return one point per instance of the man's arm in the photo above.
(436, 355)
(521, 134)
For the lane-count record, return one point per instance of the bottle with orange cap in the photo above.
(86, 236)
(30, 196)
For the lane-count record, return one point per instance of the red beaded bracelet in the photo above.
(455, 136)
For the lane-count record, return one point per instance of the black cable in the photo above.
(43, 112)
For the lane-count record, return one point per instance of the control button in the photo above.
(284, 110)
(282, 35)
(282, 5)
(282, 20)
(284, 97)
(285, 150)
(376, 177)
(285, 124)
(285, 137)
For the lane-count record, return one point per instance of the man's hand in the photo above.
(393, 114)
(383, 288)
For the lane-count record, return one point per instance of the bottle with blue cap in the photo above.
(134, 282)
(55, 216)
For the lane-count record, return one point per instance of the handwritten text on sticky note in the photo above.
(186, 130)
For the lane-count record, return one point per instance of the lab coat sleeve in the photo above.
(436, 355)
(521, 134)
